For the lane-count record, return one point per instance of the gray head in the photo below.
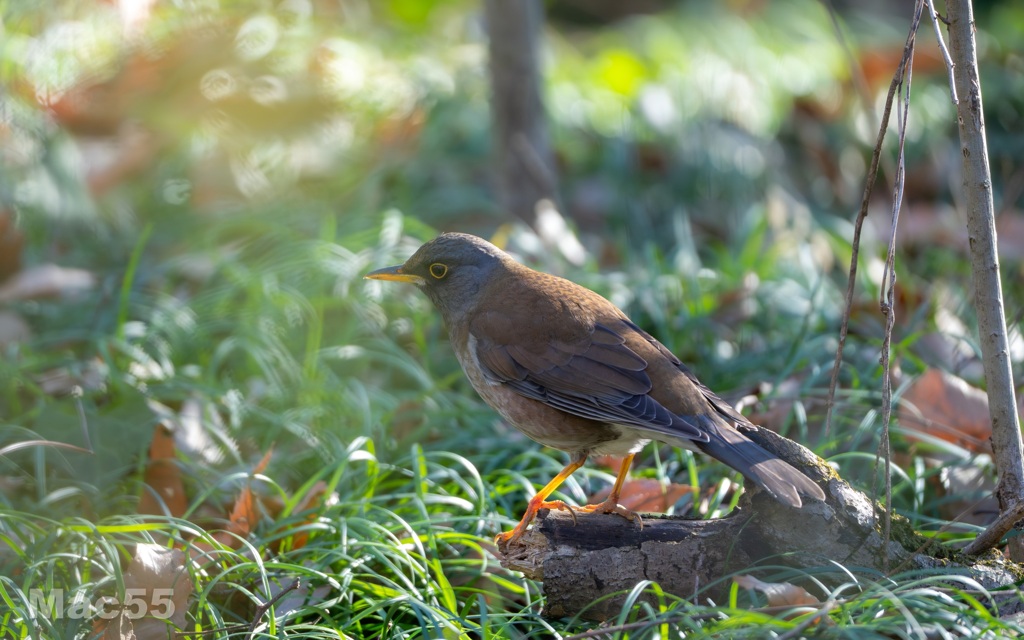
(451, 269)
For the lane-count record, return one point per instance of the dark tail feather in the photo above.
(784, 482)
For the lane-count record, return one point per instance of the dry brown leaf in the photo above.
(157, 587)
(946, 407)
(647, 495)
(163, 477)
(611, 462)
(46, 281)
(779, 594)
(246, 512)
(877, 63)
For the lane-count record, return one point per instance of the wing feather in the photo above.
(595, 376)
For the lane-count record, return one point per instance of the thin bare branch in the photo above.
(886, 302)
(945, 52)
(991, 536)
(263, 608)
(869, 185)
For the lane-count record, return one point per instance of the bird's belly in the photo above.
(547, 425)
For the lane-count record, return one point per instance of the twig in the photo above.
(869, 185)
(990, 537)
(263, 608)
(942, 47)
(260, 610)
(888, 289)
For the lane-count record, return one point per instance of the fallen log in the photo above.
(584, 560)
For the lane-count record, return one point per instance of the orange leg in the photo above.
(611, 504)
(539, 501)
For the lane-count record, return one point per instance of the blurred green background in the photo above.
(191, 191)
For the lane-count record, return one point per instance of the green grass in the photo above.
(241, 319)
(283, 344)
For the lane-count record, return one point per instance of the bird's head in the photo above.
(452, 269)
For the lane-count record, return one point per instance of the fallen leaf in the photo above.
(779, 594)
(647, 495)
(157, 587)
(164, 491)
(946, 407)
(878, 63)
(46, 281)
(611, 462)
(246, 512)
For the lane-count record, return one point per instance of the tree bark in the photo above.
(584, 560)
(988, 293)
(523, 158)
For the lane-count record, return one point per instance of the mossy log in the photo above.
(582, 560)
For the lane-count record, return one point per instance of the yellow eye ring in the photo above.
(438, 270)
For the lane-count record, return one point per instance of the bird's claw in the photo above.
(611, 506)
(561, 506)
(608, 506)
(508, 537)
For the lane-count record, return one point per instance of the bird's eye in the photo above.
(438, 270)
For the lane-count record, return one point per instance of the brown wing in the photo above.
(725, 441)
(587, 370)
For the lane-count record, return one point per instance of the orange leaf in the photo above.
(245, 514)
(163, 477)
(647, 495)
(612, 462)
(779, 594)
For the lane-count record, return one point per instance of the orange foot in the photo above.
(608, 506)
(508, 537)
(611, 505)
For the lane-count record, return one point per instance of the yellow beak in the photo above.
(395, 274)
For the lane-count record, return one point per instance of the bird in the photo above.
(570, 370)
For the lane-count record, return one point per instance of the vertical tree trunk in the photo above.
(1006, 438)
(525, 167)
